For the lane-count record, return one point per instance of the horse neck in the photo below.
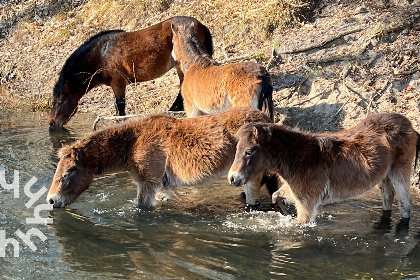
(106, 151)
(292, 150)
(195, 55)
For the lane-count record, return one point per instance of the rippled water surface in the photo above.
(200, 233)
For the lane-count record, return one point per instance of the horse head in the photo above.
(250, 163)
(70, 179)
(188, 46)
(64, 104)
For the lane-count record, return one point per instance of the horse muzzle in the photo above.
(235, 179)
(56, 200)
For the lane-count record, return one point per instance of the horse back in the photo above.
(211, 87)
(202, 149)
(146, 54)
(365, 153)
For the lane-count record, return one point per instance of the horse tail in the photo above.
(417, 151)
(265, 101)
(208, 41)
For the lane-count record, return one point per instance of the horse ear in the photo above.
(174, 28)
(263, 133)
(76, 154)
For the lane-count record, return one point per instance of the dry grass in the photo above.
(37, 36)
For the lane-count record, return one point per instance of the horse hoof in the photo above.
(251, 207)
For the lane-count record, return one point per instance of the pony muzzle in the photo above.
(236, 179)
(56, 201)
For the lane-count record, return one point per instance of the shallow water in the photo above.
(200, 233)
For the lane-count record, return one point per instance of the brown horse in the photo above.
(117, 58)
(210, 88)
(158, 151)
(328, 167)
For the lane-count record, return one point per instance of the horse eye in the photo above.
(60, 102)
(248, 152)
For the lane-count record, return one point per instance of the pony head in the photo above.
(71, 177)
(64, 104)
(250, 163)
(188, 45)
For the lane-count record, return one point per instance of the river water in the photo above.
(200, 233)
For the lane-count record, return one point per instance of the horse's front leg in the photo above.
(252, 191)
(119, 91)
(146, 193)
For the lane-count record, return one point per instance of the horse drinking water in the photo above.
(328, 167)
(158, 151)
(209, 88)
(117, 58)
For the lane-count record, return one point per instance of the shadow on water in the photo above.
(60, 137)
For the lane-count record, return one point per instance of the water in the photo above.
(201, 233)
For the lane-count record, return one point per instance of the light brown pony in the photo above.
(158, 151)
(328, 167)
(209, 88)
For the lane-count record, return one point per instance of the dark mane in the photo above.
(197, 52)
(75, 58)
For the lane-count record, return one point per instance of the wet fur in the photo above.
(328, 167)
(158, 151)
(210, 88)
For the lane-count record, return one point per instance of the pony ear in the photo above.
(76, 154)
(174, 28)
(261, 133)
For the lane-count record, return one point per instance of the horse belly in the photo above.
(190, 177)
(354, 185)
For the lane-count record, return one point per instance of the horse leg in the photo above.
(307, 201)
(146, 193)
(387, 193)
(252, 191)
(271, 183)
(119, 91)
(400, 178)
(178, 104)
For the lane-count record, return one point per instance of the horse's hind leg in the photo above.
(387, 193)
(400, 177)
(178, 104)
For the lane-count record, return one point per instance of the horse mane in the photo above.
(197, 52)
(74, 58)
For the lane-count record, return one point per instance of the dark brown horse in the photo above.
(117, 58)
(328, 167)
(210, 88)
(158, 151)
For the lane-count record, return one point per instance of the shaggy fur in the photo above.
(158, 151)
(117, 58)
(210, 88)
(328, 167)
